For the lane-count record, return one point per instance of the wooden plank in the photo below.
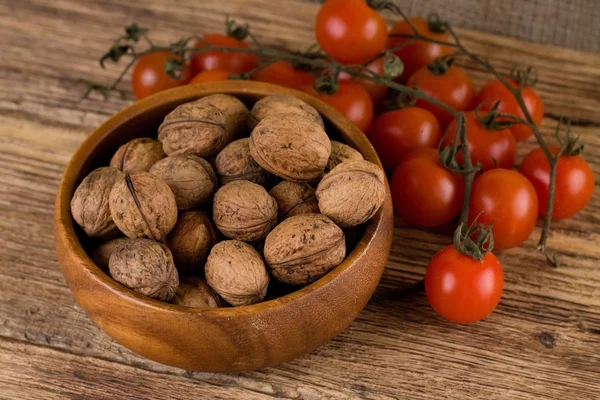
(539, 344)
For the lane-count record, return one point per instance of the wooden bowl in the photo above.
(225, 339)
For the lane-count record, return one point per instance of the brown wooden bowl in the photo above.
(225, 339)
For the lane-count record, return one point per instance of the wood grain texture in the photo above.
(542, 342)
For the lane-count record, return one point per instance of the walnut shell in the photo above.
(303, 248)
(291, 147)
(294, 198)
(352, 192)
(243, 210)
(234, 163)
(190, 241)
(191, 178)
(101, 254)
(341, 152)
(235, 112)
(89, 205)
(145, 266)
(237, 273)
(143, 205)
(193, 129)
(138, 155)
(283, 104)
(193, 292)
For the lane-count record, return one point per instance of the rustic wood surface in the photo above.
(543, 341)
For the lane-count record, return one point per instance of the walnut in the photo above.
(294, 198)
(235, 112)
(237, 273)
(89, 205)
(352, 192)
(193, 129)
(190, 241)
(243, 210)
(138, 155)
(303, 248)
(191, 178)
(143, 205)
(145, 266)
(193, 292)
(101, 254)
(283, 104)
(341, 152)
(234, 163)
(291, 147)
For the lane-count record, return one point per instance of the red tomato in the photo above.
(508, 200)
(462, 289)
(420, 53)
(395, 134)
(352, 100)
(149, 75)
(453, 87)
(236, 63)
(425, 193)
(485, 145)
(211, 76)
(284, 74)
(377, 92)
(350, 31)
(574, 182)
(495, 91)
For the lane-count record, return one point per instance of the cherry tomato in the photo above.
(453, 87)
(149, 75)
(462, 289)
(377, 92)
(425, 193)
(232, 62)
(395, 134)
(352, 100)
(492, 148)
(420, 53)
(495, 91)
(211, 76)
(508, 200)
(574, 182)
(284, 74)
(350, 31)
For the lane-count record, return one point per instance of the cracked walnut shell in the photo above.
(237, 273)
(243, 210)
(193, 129)
(138, 155)
(193, 292)
(143, 205)
(341, 152)
(352, 192)
(291, 147)
(145, 266)
(283, 104)
(192, 179)
(234, 163)
(89, 205)
(190, 241)
(303, 248)
(294, 198)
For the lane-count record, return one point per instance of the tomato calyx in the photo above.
(475, 241)
(490, 120)
(569, 145)
(524, 75)
(447, 154)
(441, 65)
(436, 24)
(327, 83)
(236, 30)
(399, 100)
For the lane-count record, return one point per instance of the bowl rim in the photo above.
(65, 228)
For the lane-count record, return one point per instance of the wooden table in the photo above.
(543, 341)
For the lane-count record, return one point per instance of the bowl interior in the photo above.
(142, 120)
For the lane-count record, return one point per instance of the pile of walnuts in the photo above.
(201, 226)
